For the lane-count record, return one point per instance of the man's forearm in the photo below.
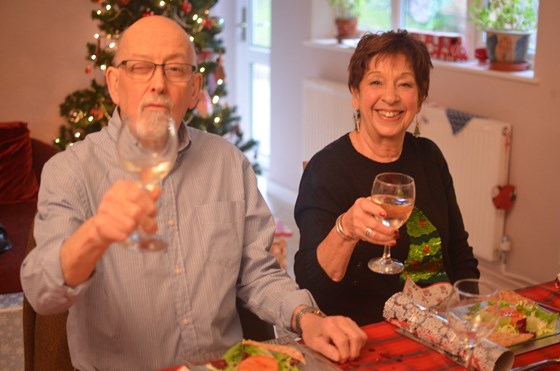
(80, 253)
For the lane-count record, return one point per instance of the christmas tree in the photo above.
(89, 110)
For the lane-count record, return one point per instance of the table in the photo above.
(386, 349)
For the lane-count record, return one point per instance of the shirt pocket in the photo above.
(221, 226)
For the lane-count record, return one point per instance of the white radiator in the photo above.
(327, 108)
(478, 155)
(478, 158)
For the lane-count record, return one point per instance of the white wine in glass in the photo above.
(148, 149)
(395, 193)
(472, 312)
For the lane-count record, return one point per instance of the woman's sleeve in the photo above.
(320, 201)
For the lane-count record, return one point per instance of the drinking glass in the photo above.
(148, 149)
(472, 312)
(395, 192)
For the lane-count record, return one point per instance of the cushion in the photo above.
(17, 180)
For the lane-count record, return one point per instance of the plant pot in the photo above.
(347, 28)
(507, 50)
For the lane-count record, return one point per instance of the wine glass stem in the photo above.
(386, 252)
(469, 356)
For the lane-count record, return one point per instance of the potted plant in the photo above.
(508, 25)
(346, 17)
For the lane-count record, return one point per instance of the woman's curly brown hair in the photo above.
(390, 44)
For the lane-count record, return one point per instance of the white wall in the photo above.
(533, 108)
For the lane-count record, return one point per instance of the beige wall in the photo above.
(43, 46)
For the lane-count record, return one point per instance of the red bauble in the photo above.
(88, 70)
(147, 14)
(97, 113)
(124, 2)
(187, 6)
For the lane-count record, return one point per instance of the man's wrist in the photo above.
(306, 309)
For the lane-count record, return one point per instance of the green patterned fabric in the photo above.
(424, 264)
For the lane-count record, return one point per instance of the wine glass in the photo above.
(395, 192)
(472, 312)
(148, 149)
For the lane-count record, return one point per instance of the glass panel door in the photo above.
(253, 61)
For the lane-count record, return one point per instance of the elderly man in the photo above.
(153, 310)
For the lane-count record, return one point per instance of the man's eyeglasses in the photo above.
(143, 70)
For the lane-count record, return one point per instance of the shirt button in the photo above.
(185, 321)
(170, 222)
(178, 270)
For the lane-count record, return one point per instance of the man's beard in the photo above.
(153, 124)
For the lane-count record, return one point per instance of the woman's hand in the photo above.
(361, 222)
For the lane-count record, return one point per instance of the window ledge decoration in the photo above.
(445, 46)
(466, 66)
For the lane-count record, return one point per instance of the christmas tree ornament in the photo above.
(220, 74)
(204, 106)
(123, 2)
(88, 70)
(211, 83)
(186, 6)
(96, 113)
(204, 55)
(207, 23)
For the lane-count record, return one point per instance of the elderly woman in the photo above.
(389, 78)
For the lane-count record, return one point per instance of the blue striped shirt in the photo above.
(154, 310)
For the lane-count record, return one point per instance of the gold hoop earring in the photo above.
(357, 117)
(417, 128)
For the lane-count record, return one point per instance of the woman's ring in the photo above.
(369, 231)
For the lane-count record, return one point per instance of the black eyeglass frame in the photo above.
(162, 65)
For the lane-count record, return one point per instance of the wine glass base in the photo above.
(385, 266)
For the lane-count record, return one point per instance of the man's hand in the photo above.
(124, 208)
(338, 338)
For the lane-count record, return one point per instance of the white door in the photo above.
(253, 71)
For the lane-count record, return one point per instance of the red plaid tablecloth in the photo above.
(388, 350)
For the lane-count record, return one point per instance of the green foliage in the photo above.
(89, 110)
(346, 9)
(504, 15)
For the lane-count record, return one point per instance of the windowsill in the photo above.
(348, 46)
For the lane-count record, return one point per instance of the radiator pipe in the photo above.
(505, 247)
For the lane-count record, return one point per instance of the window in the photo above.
(422, 15)
(426, 15)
